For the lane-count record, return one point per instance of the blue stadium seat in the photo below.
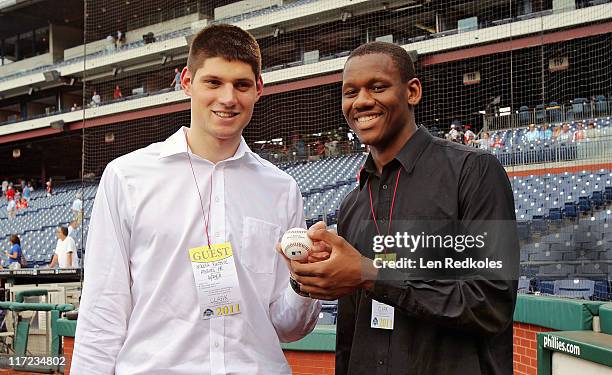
(575, 288)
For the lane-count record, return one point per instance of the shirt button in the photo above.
(381, 362)
(217, 200)
(384, 187)
(216, 344)
(217, 234)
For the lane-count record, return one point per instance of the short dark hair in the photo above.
(64, 230)
(400, 57)
(15, 239)
(226, 41)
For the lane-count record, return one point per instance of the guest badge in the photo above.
(382, 315)
(216, 280)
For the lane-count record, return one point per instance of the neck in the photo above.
(384, 154)
(210, 148)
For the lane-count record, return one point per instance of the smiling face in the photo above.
(223, 94)
(376, 104)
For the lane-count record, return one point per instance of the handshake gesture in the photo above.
(333, 267)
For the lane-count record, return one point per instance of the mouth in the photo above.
(226, 114)
(364, 120)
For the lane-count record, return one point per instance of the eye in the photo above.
(379, 88)
(243, 86)
(212, 83)
(349, 93)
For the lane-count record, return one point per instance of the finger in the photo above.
(320, 246)
(318, 257)
(318, 225)
(306, 269)
(329, 237)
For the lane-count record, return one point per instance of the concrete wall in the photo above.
(61, 38)
(163, 27)
(26, 64)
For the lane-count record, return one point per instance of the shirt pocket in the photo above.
(258, 240)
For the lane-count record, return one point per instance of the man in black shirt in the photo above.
(416, 320)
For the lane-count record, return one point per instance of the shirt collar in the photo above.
(177, 144)
(407, 157)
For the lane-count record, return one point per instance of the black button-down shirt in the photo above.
(444, 327)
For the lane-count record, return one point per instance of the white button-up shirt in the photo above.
(139, 311)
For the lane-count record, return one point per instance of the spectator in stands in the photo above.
(532, 135)
(4, 187)
(300, 147)
(11, 209)
(556, 132)
(452, 133)
(137, 262)
(176, 82)
(546, 134)
(120, 40)
(65, 250)
(485, 141)
(74, 107)
(77, 207)
(447, 326)
(565, 136)
(10, 191)
(320, 148)
(27, 191)
(579, 134)
(73, 230)
(469, 135)
(592, 132)
(95, 99)
(110, 43)
(15, 253)
(21, 203)
(498, 142)
(49, 187)
(117, 93)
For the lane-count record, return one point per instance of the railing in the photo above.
(598, 148)
(582, 110)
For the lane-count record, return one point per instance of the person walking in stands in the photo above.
(176, 82)
(11, 209)
(4, 187)
(172, 311)
(49, 186)
(77, 207)
(27, 191)
(65, 250)
(15, 253)
(412, 320)
(117, 93)
(10, 192)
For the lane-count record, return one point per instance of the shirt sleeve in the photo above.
(292, 315)
(106, 302)
(70, 245)
(479, 305)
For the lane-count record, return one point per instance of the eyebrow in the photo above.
(238, 80)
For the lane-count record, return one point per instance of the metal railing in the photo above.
(551, 114)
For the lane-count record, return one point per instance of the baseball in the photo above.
(296, 244)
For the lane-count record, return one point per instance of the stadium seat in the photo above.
(575, 288)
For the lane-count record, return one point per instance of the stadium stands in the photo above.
(36, 224)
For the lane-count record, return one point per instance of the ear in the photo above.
(259, 87)
(186, 81)
(414, 91)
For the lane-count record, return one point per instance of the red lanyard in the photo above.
(399, 171)
(205, 217)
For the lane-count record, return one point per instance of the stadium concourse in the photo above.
(84, 82)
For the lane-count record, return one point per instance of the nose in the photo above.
(363, 100)
(227, 95)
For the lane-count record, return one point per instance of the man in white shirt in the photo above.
(65, 250)
(145, 301)
(77, 208)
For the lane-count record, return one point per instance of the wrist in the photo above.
(369, 274)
